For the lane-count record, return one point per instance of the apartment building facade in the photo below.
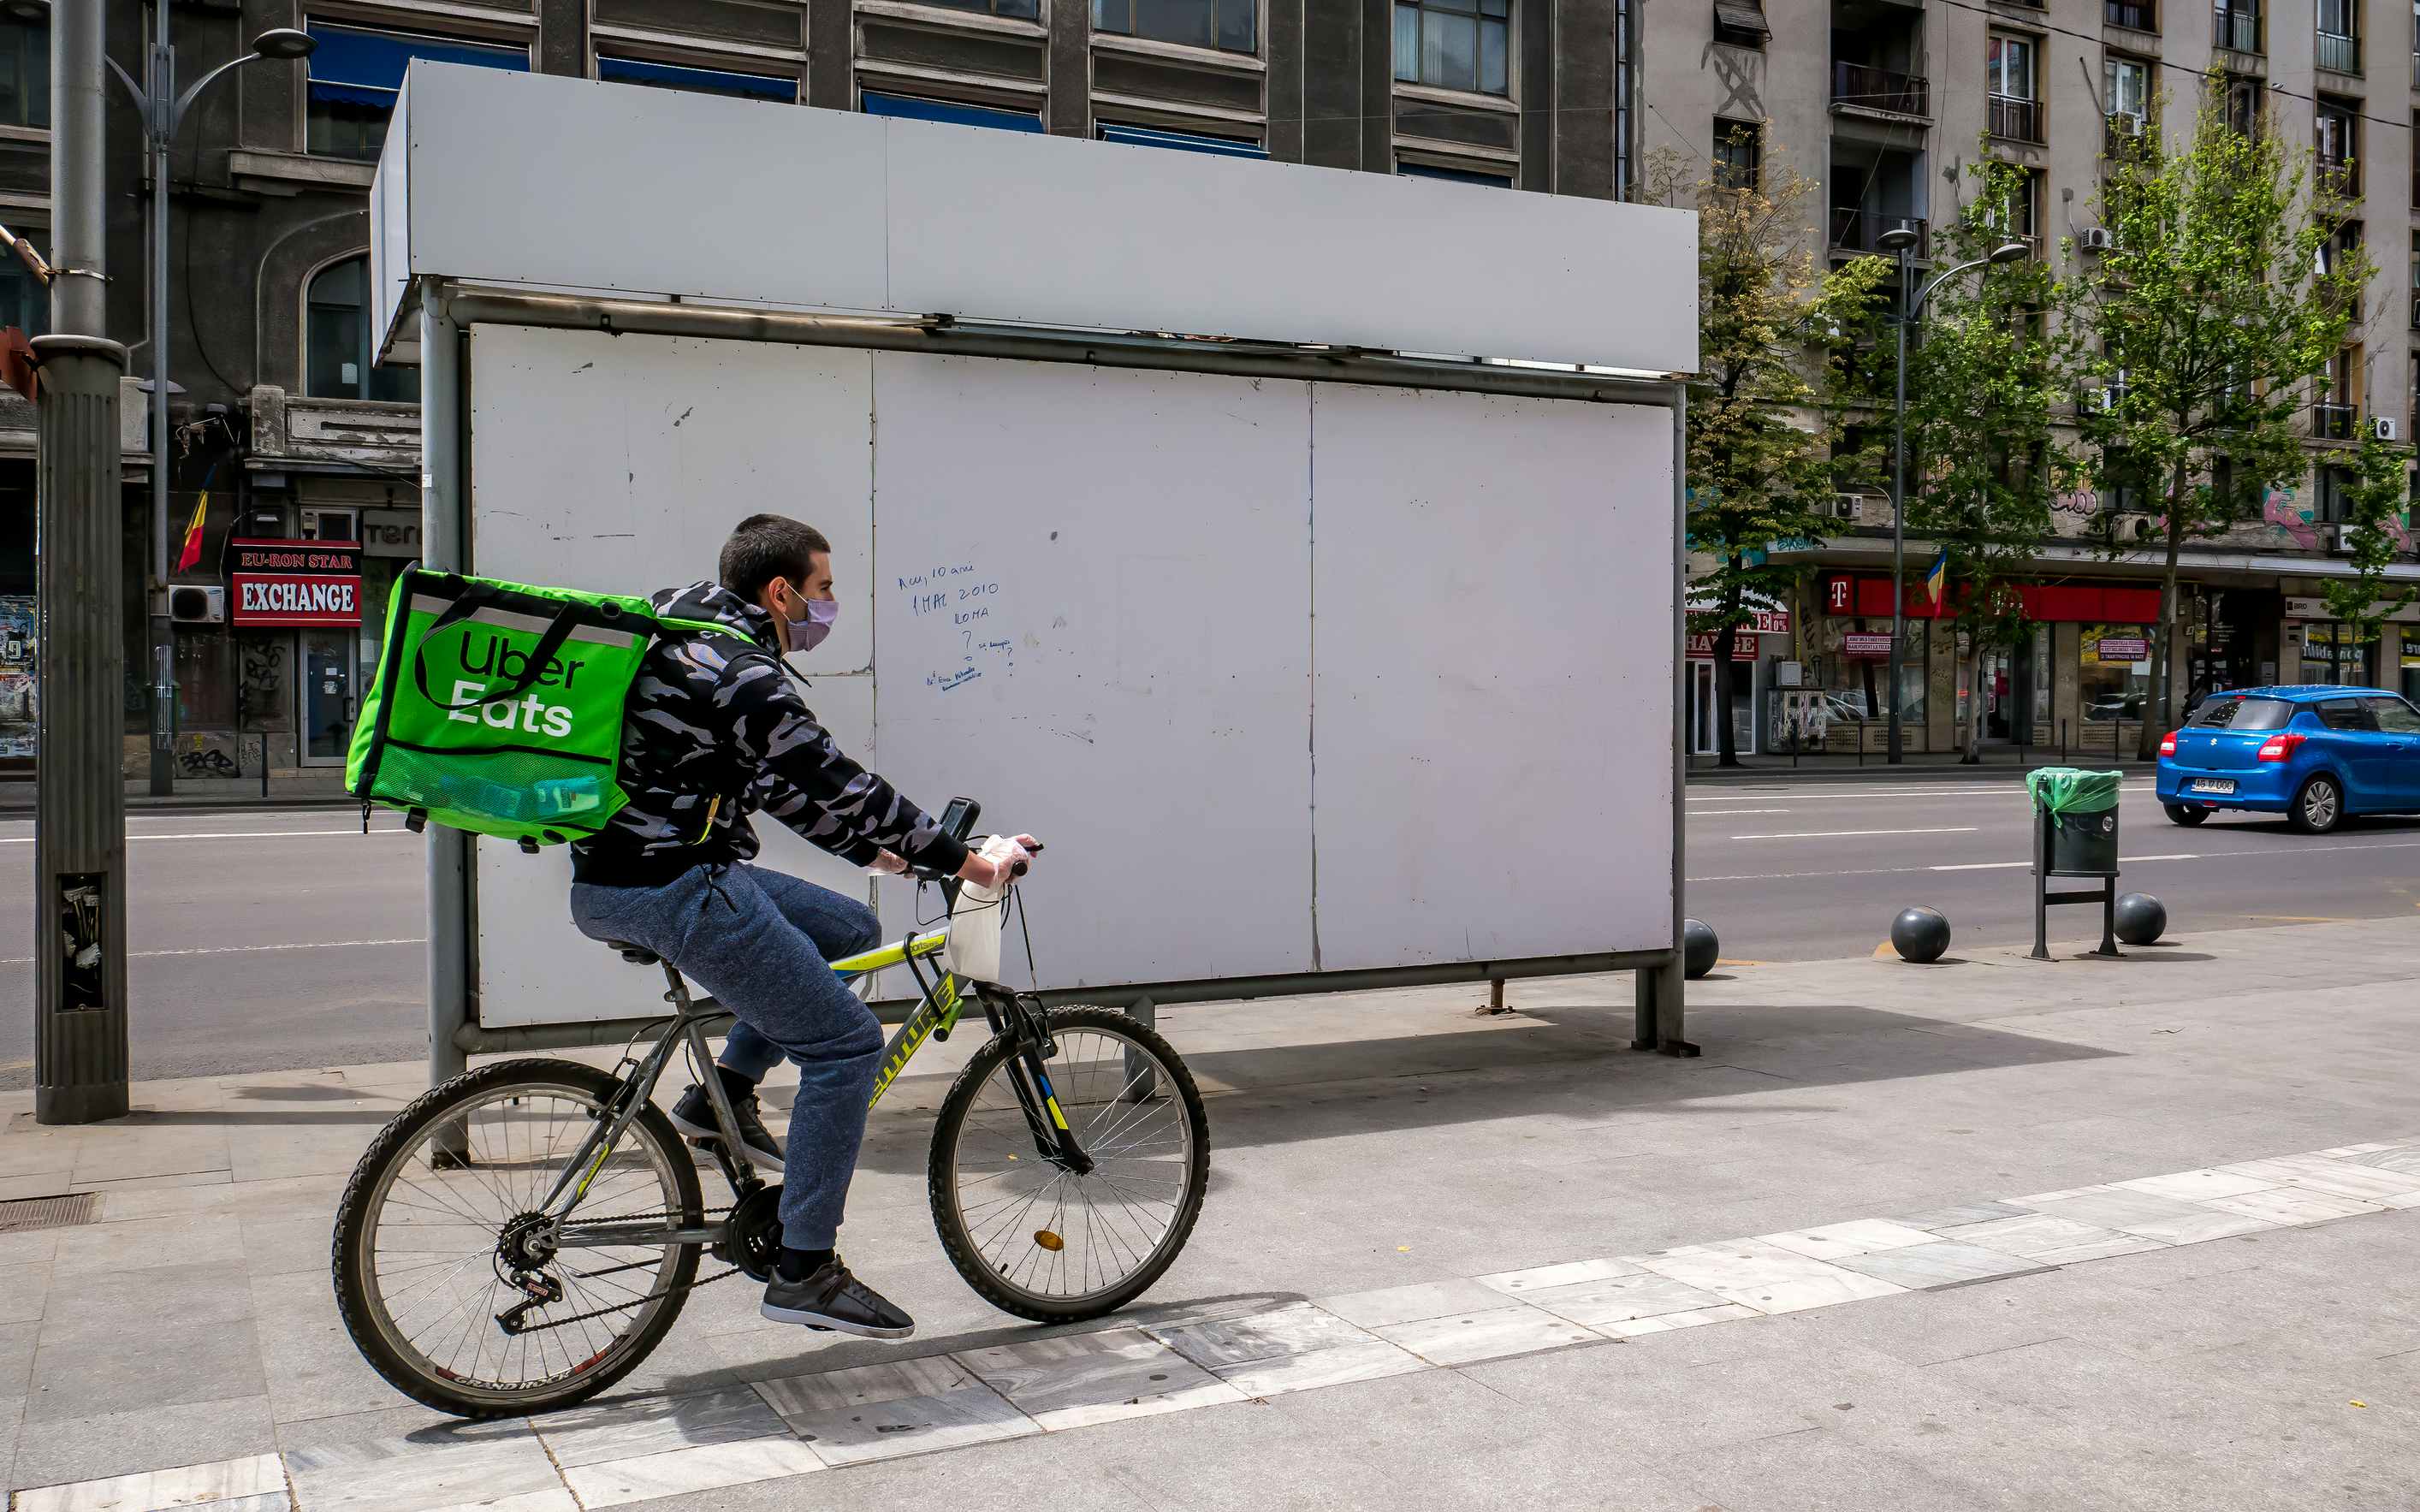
(283, 428)
(1885, 104)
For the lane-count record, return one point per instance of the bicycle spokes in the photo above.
(1070, 1174)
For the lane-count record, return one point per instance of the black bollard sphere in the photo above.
(2140, 918)
(1920, 934)
(1699, 947)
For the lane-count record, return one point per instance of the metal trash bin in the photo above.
(2080, 812)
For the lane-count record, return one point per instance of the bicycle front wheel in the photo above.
(1038, 1239)
(438, 1234)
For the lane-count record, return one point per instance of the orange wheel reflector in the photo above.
(1049, 1241)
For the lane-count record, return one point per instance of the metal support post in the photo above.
(2042, 885)
(1658, 1023)
(444, 506)
(1898, 500)
(163, 632)
(80, 1052)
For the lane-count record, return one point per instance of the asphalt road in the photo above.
(272, 940)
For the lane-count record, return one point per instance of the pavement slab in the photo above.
(1952, 1214)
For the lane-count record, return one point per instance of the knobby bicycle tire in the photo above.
(349, 1257)
(961, 1245)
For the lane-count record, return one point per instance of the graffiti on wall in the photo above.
(17, 701)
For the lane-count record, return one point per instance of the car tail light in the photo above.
(2281, 747)
(2168, 744)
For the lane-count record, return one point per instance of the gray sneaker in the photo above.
(833, 1299)
(693, 1115)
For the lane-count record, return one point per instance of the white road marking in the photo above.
(1726, 813)
(246, 949)
(2181, 855)
(2281, 854)
(1978, 866)
(238, 834)
(1839, 834)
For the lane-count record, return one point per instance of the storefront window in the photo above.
(2113, 681)
(2335, 653)
(1852, 665)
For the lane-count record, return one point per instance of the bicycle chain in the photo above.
(639, 1302)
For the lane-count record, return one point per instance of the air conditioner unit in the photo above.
(2339, 538)
(2383, 426)
(197, 606)
(1848, 506)
(2096, 239)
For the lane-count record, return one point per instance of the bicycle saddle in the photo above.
(638, 955)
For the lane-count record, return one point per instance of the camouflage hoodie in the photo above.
(714, 731)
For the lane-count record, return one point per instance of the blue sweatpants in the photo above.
(759, 941)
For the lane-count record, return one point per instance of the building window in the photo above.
(780, 88)
(356, 74)
(1227, 25)
(25, 74)
(2010, 77)
(23, 301)
(1454, 175)
(1153, 136)
(337, 340)
(2134, 15)
(2126, 86)
(2113, 674)
(2336, 133)
(1623, 188)
(2245, 104)
(915, 108)
(2330, 505)
(1454, 45)
(1739, 152)
(2237, 25)
(1014, 10)
(2340, 43)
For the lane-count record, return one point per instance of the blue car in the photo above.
(2316, 754)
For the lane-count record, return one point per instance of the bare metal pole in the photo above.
(443, 511)
(159, 125)
(80, 1052)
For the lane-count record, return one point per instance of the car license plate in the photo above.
(2214, 784)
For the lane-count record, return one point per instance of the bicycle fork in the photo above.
(1035, 1097)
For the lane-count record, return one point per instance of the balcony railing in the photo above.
(2124, 133)
(2338, 53)
(2016, 120)
(2341, 176)
(2134, 15)
(2332, 422)
(1855, 230)
(2238, 27)
(1857, 86)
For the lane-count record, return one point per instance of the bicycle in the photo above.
(543, 1217)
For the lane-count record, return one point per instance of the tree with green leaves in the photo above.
(2211, 319)
(1760, 429)
(1985, 462)
(2381, 491)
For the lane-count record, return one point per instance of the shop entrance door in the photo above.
(331, 668)
(1702, 709)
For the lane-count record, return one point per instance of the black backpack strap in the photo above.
(475, 597)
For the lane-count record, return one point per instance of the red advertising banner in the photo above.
(1866, 647)
(324, 598)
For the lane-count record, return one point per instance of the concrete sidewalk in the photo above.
(1905, 1237)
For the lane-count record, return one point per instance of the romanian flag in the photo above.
(192, 551)
(1936, 578)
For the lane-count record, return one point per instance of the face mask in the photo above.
(807, 634)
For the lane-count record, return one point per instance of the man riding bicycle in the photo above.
(714, 731)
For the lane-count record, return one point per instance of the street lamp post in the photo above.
(163, 110)
(1901, 241)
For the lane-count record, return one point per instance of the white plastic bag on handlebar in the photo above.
(977, 923)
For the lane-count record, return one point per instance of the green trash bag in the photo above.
(2061, 791)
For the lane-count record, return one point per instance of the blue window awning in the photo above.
(780, 88)
(354, 67)
(1152, 136)
(913, 108)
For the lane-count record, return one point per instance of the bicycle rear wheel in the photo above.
(1040, 1240)
(431, 1243)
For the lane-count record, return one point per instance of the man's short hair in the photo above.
(766, 546)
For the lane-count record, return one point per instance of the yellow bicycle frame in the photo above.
(938, 1013)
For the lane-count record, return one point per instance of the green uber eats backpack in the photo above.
(497, 707)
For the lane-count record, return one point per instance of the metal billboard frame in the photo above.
(448, 310)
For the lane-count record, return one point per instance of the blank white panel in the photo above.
(536, 968)
(1492, 716)
(743, 202)
(1091, 615)
(619, 464)
(538, 178)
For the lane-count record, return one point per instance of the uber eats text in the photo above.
(507, 662)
